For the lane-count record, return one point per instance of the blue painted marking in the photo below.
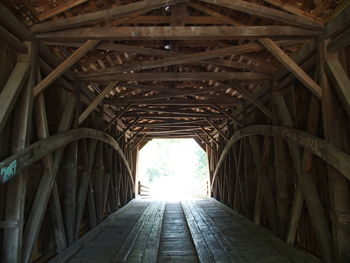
(7, 172)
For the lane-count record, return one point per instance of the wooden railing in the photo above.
(143, 190)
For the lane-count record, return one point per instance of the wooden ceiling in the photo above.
(177, 68)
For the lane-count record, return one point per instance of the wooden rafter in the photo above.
(104, 15)
(262, 11)
(64, 66)
(179, 33)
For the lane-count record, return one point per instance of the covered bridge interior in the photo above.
(261, 85)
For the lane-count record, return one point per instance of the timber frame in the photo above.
(262, 86)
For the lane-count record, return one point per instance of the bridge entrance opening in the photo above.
(172, 170)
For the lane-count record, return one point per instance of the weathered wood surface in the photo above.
(178, 33)
(262, 11)
(193, 231)
(43, 147)
(83, 242)
(176, 243)
(116, 12)
(328, 152)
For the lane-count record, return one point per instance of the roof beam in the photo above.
(99, 16)
(216, 128)
(248, 96)
(64, 66)
(275, 50)
(178, 33)
(340, 79)
(292, 67)
(336, 45)
(204, 140)
(295, 10)
(255, 47)
(217, 107)
(260, 66)
(96, 101)
(60, 9)
(127, 128)
(181, 76)
(266, 12)
(174, 60)
(172, 115)
(176, 102)
(340, 23)
(118, 48)
(117, 116)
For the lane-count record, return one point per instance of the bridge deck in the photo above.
(190, 231)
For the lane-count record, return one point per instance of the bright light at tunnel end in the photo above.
(173, 170)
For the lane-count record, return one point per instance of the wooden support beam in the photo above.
(296, 11)
(64, 66)
(175, 102)
(248, 96)
(127, 128)
(216, 128)
(173, 115)
(119, 48)
(60, 9)
(52, 164)
(88, 157)
(257, 66)
(134, 136)
(340, 42)
(56, 142)
(334, 125)
(266, 12)
(178, 33)
(180, 76)
(292, 66)
(255, 47)
(203, 140)
(210, 136)
(264, 181)
(11, 90)
(138, 142)
(98, 99)
(340, 79)
(112, 13)
(281, 176)
(308, 188)
(326, 151)
(70, 189)
(338, 24)
(168, 61)
(117, 116)
(97, 175)
(218, 107)
(16, 188)
(11, 41)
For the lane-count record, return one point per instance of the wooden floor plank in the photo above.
(180, 247)
(187, 232)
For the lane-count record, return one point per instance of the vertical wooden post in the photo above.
(281, 174)
(16, 188)
(308, 188)
(70, 188)
(264, 181)
(51, 165)
(71, 179)
(97, 174)
(88, 155)
(336, 131)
